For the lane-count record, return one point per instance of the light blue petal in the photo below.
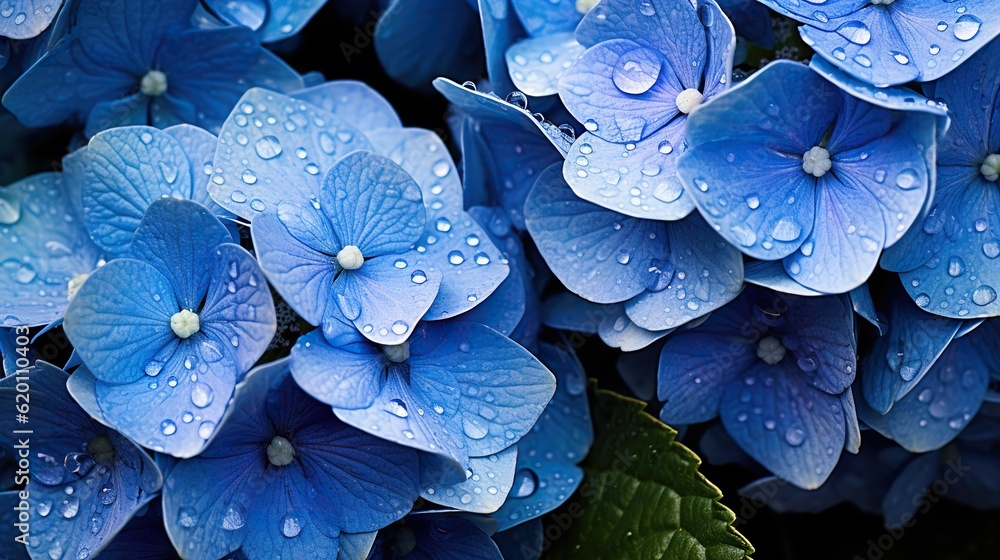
(536, 63)
(489, 481)
(701, 274)
(45, 247)
(598, 254)
(501, 28)
(287, 160)
(425, 157)
(797, 441)
(570, 312)
(900, 358)
(25, 19)
(505, 308)
(119, 321)
(936, 409)
(636, 179)
(772, 274)
(385, 298)
(638, 370)
(355, 103)
(356, 377)
(250, 14)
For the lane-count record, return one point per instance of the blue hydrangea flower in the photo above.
(345, 256)
(455, 389)
(440, 535)
(272, 139)
(949, 263)
(87, 480)
(647, 65)
(777, 369)
(665, 273)
(789, 167)
(547, 456)
(888, 42)
(285, 477)
(504, 147)
(26, 19)
(168, 329)
(939, 394)
(46, 252)
(142, 62)
(272, 20)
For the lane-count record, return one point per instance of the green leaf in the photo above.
(643, 497)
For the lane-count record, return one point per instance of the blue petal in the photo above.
(899, 504)
(505, 308)
(743, 191)
(287, 17)
(861, 299)
(619, 106)
(536, 63)
(122, 171)
(671, 27)
(501, 28)
(795, 431)
(287, 159)
(119, 321)
(131, 110)
(413, 52)
(751, 20)
(936, 409)
(438, 536)
(549, 17)
(373, 204)
(842, 249)
(900, 358)
(356, 103)
(46, 247)
(524, 542)
(636, 179)
(92, 502)
(425, 157)
(546, 472)
(639, 371)
(250, 14)
(358, 482)
(484, 491)
(356, 380)
(177, 237)
(819, 334)
(701, 274)
(570, 312)
(296, 247)
(238, 312)
(597, 253)
(772, 274)
(24, 19)
(694, 370)
(385, 298)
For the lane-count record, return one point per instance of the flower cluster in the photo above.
(291, 326)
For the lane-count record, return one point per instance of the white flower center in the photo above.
(280, 451)
(74, 285)
(688, 99)
(185, 323)
(816, 161)
(350, 258)
(153, 84)
(397, 352)
(882, 2)
(584, 6)
(770, 350)
(991, 167)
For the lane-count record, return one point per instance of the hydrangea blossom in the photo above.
(948, 262)
(87, 480)
(285, 477)
(646, 67)
(455, 389)
(168, 329)
(789, 167)
(142, 62)
(777, 369)
(885, 42)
